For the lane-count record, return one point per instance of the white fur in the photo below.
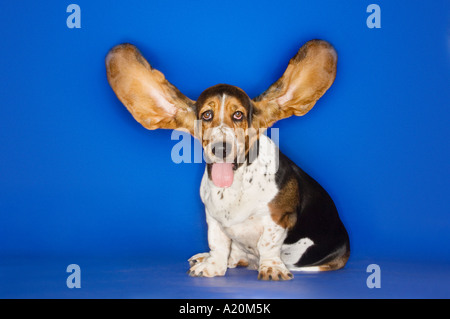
(305, 269)
(222, 108)
(240, 226)
(252, 189)
(292, 253)
(219, 134)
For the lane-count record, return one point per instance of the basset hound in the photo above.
(262, 210)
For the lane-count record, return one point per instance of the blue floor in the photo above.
(146, 278)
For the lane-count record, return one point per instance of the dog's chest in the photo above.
(253, 188)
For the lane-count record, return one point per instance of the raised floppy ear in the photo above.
(151, 99)
(309, 74)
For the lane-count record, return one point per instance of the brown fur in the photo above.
(337, 263)
(151, 99)
(284, 206)
(213, 104)
(308, 76)
(242, 263)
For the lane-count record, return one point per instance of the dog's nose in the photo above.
(221, 149)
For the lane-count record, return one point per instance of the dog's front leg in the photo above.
(271, 267)
(215, 262)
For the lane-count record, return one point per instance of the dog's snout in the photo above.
(221, 149)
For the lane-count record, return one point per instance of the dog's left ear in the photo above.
(309, 74)
(151, 99)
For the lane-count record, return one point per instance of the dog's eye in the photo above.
(238, 116)
(207, 116)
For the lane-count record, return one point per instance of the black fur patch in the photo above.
(317, 217)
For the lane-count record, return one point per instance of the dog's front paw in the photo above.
(203, 265)
(197, 258)
(274, 271)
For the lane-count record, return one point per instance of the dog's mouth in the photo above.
(222, 174)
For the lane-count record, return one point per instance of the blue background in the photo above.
(81, 179)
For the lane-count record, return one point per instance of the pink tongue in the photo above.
(222, 174)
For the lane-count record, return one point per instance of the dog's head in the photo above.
(224, 118)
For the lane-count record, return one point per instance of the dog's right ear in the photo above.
(151, 99)
(308, 76)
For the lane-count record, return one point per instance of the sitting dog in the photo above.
(262, 210)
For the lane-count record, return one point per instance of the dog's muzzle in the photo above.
(222, 153)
